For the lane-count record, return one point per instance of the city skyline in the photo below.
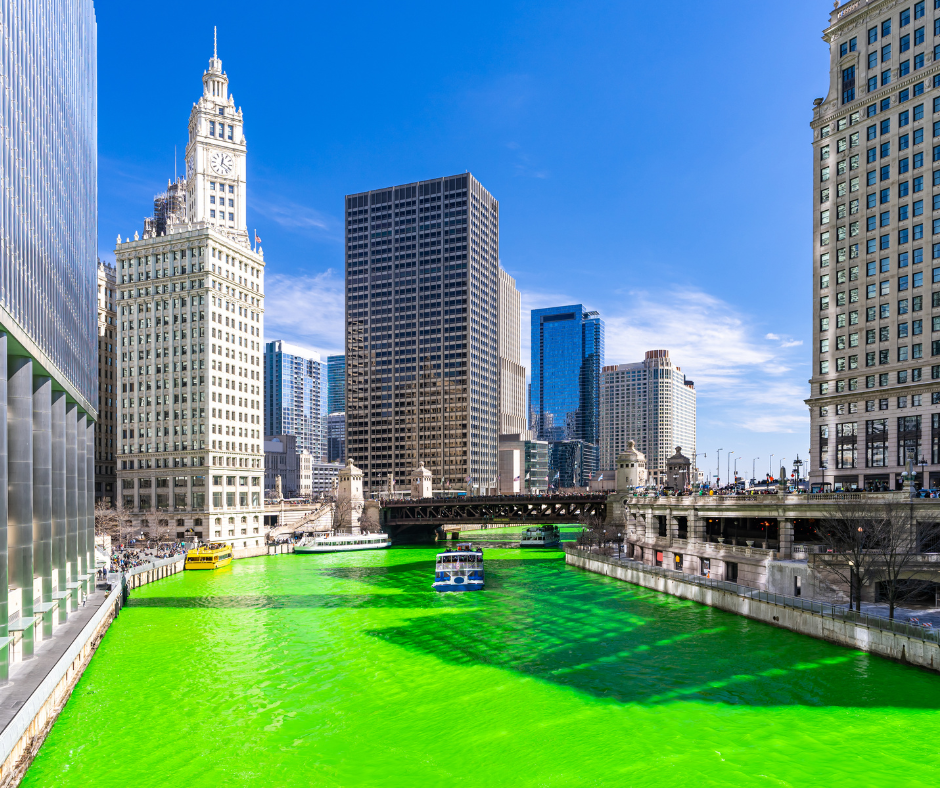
(743, 289)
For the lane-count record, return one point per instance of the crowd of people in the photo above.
(127, 557)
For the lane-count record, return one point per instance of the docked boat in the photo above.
(209, 556)
(541, 536)
(460, 569)
(341, 543)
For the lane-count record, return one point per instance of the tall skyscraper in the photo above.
(421, 324)
(512, 419)
(567, 356)
(106, 426)
(873, 392)
(190, 298)
(650, 402)
(294, 396)
(48, 315)
(336, 384)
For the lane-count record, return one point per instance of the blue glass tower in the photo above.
(336, 384)
(564, 398)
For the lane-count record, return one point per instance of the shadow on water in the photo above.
(607, 638)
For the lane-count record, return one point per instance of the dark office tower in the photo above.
(564, 397)
(421, 324)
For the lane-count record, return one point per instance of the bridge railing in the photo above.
(835, 612)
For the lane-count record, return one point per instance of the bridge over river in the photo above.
(407, 520)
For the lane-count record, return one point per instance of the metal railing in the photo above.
(835, 612)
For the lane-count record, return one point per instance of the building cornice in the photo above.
(859, 103)
(903, 390)
(852, 14)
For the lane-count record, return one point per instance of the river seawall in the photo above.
(867, 633)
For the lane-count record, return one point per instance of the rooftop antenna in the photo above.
(174, 164)
(215, 43)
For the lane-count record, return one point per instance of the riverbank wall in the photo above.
(892, 639)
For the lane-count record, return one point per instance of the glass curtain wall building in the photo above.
(295, 396)
(421, 326)
(564, 395)
(336, 384)
(48, 314)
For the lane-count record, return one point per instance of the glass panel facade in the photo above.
(296, 396)
(564, 400)
(336, 384)
(48, 204)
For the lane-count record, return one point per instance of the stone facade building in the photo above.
(512, 419)
(875, 389)
(106, 426)
(190, 298)
(651, 403)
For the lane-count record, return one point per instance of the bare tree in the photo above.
(902, 541)
(112, 520)
(850, 530)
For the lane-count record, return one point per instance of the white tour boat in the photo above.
(341, 543)
(541, 536)
(460, 569)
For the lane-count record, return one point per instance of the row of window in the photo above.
(221, 130)
(883, 379)
(884, 311)
(915, 328)
(904, 19)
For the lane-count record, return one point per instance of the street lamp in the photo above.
(718, 475)
(729, 463)
(771, 464)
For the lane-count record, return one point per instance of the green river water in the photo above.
(348, 670)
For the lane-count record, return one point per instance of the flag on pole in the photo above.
(599, 478)
(257, 238)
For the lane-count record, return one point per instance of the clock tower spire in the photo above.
(215, 156)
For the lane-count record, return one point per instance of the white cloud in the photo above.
(784, 341)
(742, 382)
(294, 216)
(306, 310)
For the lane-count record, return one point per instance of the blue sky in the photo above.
(652, 161)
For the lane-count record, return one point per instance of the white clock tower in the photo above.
(190, 296)
(215, 158)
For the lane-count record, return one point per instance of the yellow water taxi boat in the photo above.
(210, 556)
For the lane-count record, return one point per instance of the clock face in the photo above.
(222, 163)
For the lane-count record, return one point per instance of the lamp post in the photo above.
(771, 464)
(729, 463)
(718, 475)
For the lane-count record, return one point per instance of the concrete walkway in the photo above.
(928, 615)
(26, 676)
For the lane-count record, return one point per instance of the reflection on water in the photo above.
(346, 670)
